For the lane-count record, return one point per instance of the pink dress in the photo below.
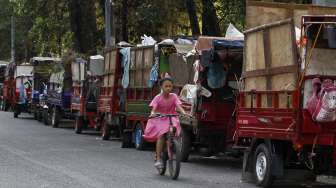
(156, 127)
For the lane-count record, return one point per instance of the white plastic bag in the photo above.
(147, 40)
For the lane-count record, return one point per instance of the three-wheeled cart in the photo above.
(109, 95)
(42, 69)
(86, 86)
(57, 103)
(148, 64)
(275, 126)
(211, 102)
(8, 94)
(23, 89)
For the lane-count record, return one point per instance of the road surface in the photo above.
(36, 156)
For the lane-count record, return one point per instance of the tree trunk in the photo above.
(83, 25)
(210, 23)
(191, 8)
(124, 29)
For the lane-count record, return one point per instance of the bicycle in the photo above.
(171, 153)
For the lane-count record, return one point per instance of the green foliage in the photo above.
(52, 27)
(232, 11)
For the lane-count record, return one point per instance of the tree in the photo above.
(124, 21)
(210, 23)
(83, 25)
(194, 24)
(231, 12)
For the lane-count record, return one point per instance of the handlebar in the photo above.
(158, 115)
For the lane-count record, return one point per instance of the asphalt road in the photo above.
(35, 156)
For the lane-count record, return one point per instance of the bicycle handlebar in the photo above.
(158, 115)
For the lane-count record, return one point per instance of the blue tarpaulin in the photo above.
(228, 44)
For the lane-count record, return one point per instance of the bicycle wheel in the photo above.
(164, 158)
(174, 161)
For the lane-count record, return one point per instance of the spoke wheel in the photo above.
(174, 161)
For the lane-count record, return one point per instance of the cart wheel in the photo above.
(46, 119)
(78, 125)
(3, 105)
(16, 114)
(126, 140)
(40, 116)
(35, 115)
(185, 145)
(54, 117)
(262, 166)
(138, 139)
(106, 130)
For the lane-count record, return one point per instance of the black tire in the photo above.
(105, 130)
(54, 117)
(35, 115)
(78, 125)
(185, 145)
(174, 164)
(139, 141)
(16, 114)
(262, 166)
(2, 105)
(164, 158)
(46, 119)
(40, 116)
(126, 140)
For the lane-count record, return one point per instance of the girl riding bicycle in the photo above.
(164, 103)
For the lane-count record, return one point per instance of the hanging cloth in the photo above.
(126, 61)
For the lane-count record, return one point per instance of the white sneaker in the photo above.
(158, 165)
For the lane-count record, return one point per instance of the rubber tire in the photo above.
(164, 158)
(185, 145)
(54, 117)
(78, 125)
(268, 178)
(174, 173)
(35, 115)
(3, 107)
(139, 142)
(46, 119)
(16, 114)
(126, 141)
(105, 130)
(39, 116)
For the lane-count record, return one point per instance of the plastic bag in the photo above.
(147, 40)
(325, 110)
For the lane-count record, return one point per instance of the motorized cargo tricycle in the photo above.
(23, 89)
(211, 101)
(286, 112)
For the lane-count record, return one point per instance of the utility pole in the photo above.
(109, 24)
(12, 39)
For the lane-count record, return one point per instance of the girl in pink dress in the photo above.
(164, 103)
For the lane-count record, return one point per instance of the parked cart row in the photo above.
(268, 96)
